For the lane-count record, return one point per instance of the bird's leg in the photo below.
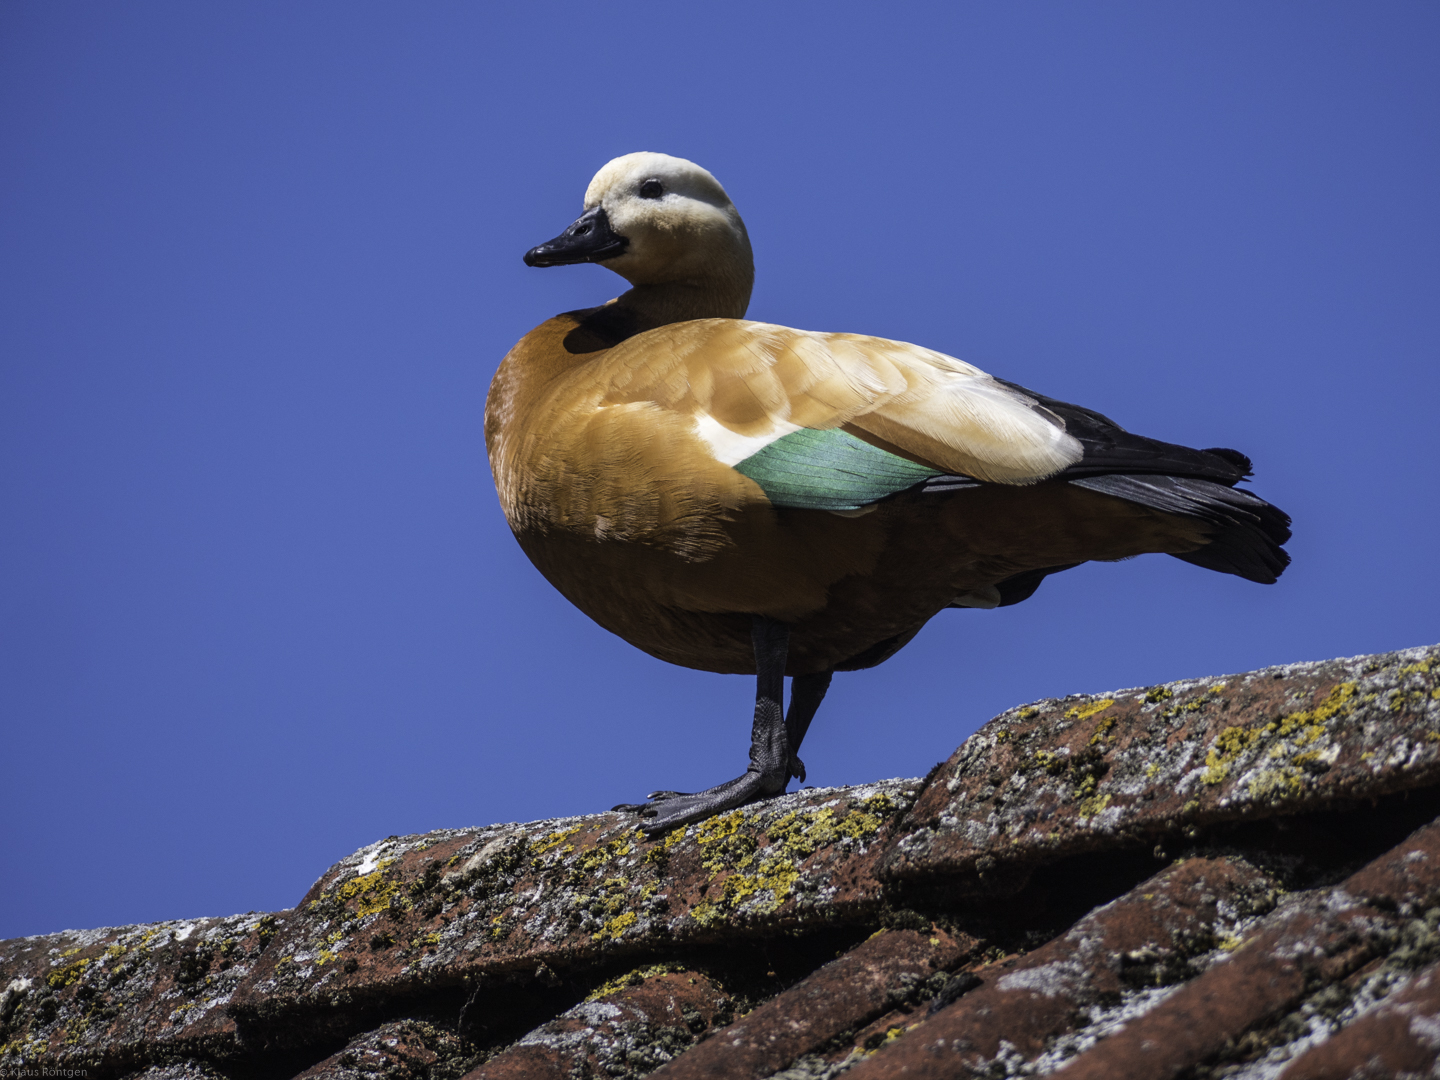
(771, 759)
(806, 694)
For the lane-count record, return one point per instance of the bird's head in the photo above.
(656, 220)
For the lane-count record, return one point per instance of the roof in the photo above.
(1234, 877)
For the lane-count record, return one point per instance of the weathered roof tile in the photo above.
(415, 911)
(626, 1031)
(844, 995)
(1152, 937)
(1076, 774)
(1397, 1039)
(1031, 920)
(117, 997)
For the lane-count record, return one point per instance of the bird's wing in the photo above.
(837, 421)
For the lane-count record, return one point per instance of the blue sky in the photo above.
(258, 605)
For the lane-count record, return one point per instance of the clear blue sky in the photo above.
(258, 605)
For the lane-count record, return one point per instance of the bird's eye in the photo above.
(651, 189)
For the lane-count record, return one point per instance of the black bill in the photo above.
(590, 239)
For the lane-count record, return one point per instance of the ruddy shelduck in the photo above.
(741, 497)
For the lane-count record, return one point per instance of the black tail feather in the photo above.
(1235, 457)
(1248, 533)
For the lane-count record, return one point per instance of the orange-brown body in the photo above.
(624, 508)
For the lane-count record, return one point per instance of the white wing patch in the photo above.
(730, 447)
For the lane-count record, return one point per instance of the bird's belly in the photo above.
(843, 585)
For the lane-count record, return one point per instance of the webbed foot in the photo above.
(665, 810)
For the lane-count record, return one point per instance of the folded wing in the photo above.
(749, 384)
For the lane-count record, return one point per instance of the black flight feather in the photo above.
(1109, 448)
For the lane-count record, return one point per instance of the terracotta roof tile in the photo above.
(117, 997)
(402, 1050)
(1397, 1038)
(632, 1029)
(1147, 939)
(1088, 883)
(1079, 773)
(846, 994)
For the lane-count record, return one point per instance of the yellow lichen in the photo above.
(1193, 706)
(706, 912)
(764, 877)
(1101, 730)
(1300, 728)
(722, 842)
(1054, 764)
(1286, 781)
(68, 974)
(1093, 806)
(371, 892)
(1335, 703)
(1083, 712)
(615, 927)
(1152, 771)
(775, 876)
(598, 856)
(880, 804)
(1158, 693)
(1422, 668)
(633, 978)
(1229, 745)
(552, 840)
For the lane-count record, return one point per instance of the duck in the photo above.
(746, 498)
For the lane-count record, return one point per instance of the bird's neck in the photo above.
(715, 296)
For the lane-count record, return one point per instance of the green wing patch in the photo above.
(830, 470)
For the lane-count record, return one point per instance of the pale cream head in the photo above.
(681, 226)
